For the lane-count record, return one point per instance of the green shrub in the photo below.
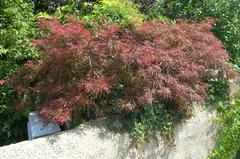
(16, 30)
(74, 7)
(227, 29)
(50, 6)
(47, 5)
(116, 11)
(218, 92)
(153, 9)
(154, 119)
(228, 137)
(190, 9)
(63, 12)
(121, 12)
(146, 5)
(156, 10)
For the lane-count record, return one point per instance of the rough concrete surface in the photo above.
(194, 138)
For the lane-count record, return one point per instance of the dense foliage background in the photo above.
(229, 132)
(16, 32)
(70, 75)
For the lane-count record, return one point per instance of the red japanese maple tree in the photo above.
(119, 69)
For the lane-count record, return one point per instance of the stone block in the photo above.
(38, 128)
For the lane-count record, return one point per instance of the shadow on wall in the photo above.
(122, 146)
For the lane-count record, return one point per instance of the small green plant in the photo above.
(154, 119)
(218, 92)
(228, 137)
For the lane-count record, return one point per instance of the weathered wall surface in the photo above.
(194, 138)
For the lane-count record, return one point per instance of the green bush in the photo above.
(16, 30)
(74, 7)
(116, 11)
(153, 9)
(47, 5)
(50, 6)
(227, 29)
(156, 10)
(190, 9)
(145, 5)
(228, 137)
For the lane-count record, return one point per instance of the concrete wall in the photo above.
(194, 138)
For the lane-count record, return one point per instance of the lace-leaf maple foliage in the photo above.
(117, 70)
